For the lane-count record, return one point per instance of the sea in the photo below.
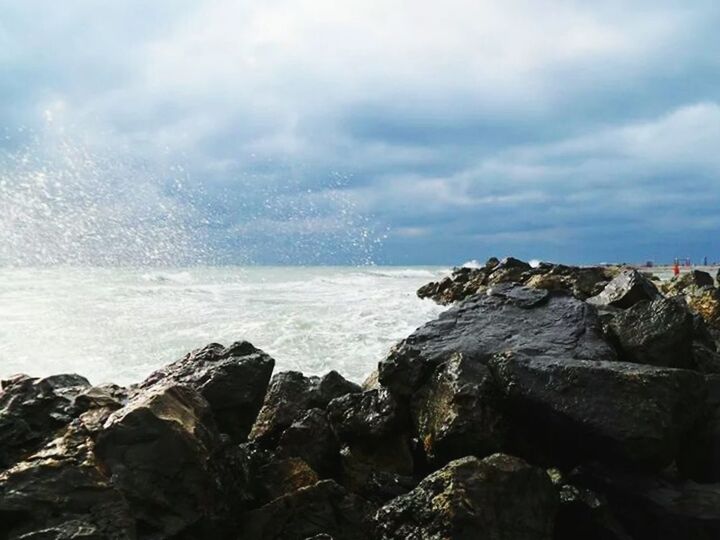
(120, 324)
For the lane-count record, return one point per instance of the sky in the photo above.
(391, 132)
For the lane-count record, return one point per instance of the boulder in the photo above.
(505, 318)
(62, 492)
(311, 438)
(700, 456)
(625, 290)
(693, 280)
(158, 451)
(232, 380)
(324, 508)
(456, 412)
(609, 411)
(32, 410)
(289, 396)
(374, 429)
(658, 333)
(463, 282)
(283, 476)
(581, 282)
(584, 514)
(706, 303)
(499, 497)
(657, 507)
(509, 270)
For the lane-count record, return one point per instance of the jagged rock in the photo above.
(280, 477)
(232, 379)
(325, 508)
(508, 270)
(625, 290)
(658, 333)
(62, 492)
(655, 507)
(695, 279)
(582, 282)
(312, 439)
(706, 303)
(375, 431)
(700, 457)
(505, 318)
(158, 450)
(499, 497)
(32, 410)
(456, 412)
(371, 382)
(609, 411)
(463, 282)
(290, 395)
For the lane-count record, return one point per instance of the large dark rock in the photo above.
(325, 508)
(456, 412)
(374, 429)
(506, 318)
(32, 410)
(610, 411)
(625, 290)
(583, 514)
(700, 456)
(158, 451)
(659, 333)
(499, 497)
(62, 492)
(311, 438)
(289, 396)
(655, 507)
(689, 281)
(232, 379)
(581, 281)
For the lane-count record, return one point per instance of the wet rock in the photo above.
(581, 282)
(289, 396)
(506, 318)
(280, 477)
(609, 411)
(456, 412)
(509, 270)
(463, 282)
(32, 410)
(374, 428)
(499, 497)
(625, 290)
(658, 333)
(62, 492)
(706, 303)
(158, 451)
(325, 508)
(312, 439)
(700, 456)
(583, 514)
(232, 379)
(656, 507)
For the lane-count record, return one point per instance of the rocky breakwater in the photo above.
(559, 405)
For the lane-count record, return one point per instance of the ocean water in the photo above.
(119, 324)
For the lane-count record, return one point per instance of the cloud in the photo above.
(552, 129)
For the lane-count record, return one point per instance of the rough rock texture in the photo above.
(157, 450)
(374, 429)
(700, 456)
(581, 282)
(609, 411)
(32, 410)
(625, 290)
(657, 508)
(658, 333)
(457, 412)
(289, 396)
(706, 303)
(585, 515)
(506, 318)
(695, 279)
(311, 438)
(324, 508)
(499, 497)
(232, 379)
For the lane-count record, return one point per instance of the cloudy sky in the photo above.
(401, 132)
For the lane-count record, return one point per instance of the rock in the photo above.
(706, 303)
(609, 411)
(32, 410)
(625, 290)
(456, 412)
(312, 439)
(509, 270)
(371, 382)
(695, 279)
(280, 477)
(158, 451)
(655, 507)
(463, 282)
(506, 318)
(658, 333)
(581, 282)
(289, 396)
(61, 492)
(325, 508)
(583, 514)
(375, 431)
(700, 456)
(499, 497)
(233, 380)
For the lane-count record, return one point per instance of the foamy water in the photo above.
(120, 324)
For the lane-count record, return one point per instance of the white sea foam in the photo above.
(120, 324)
